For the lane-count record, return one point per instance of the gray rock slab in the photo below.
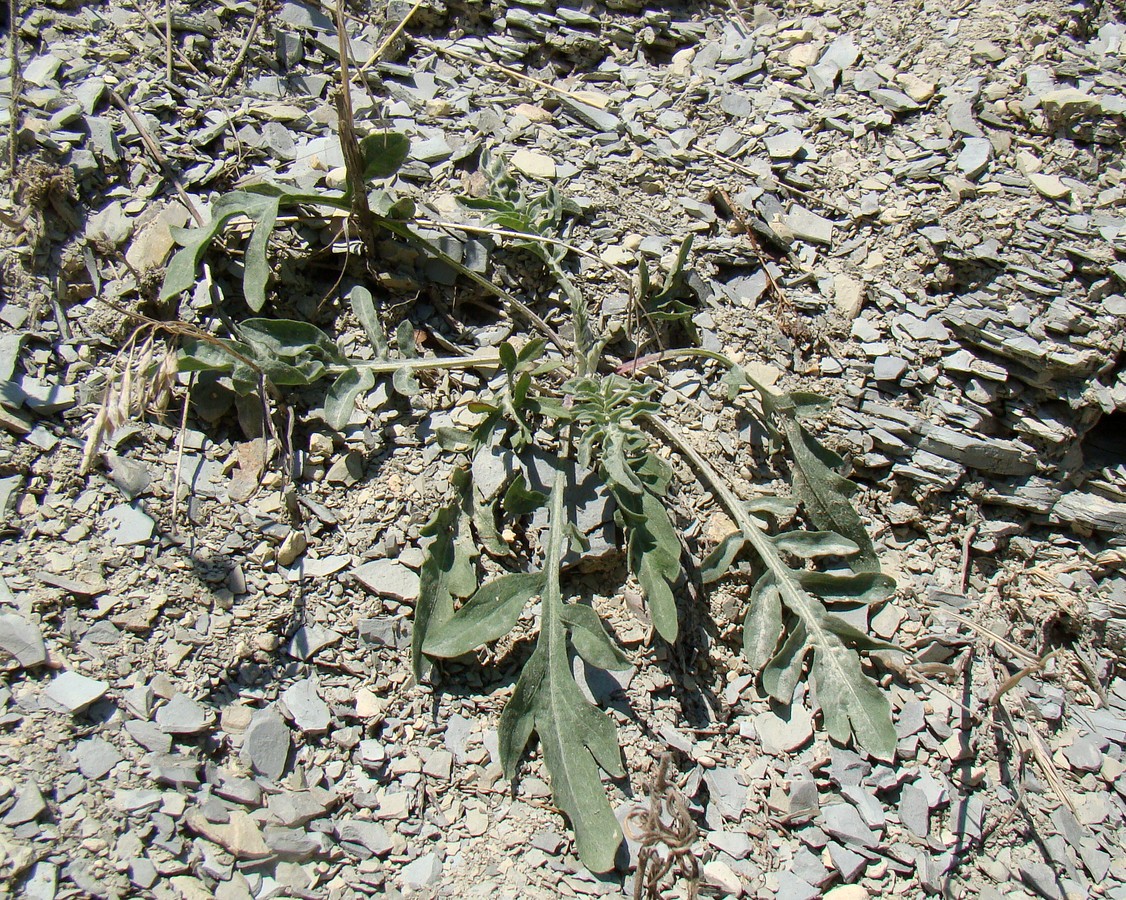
(844, 822)
(308, 640)
(849, 863)
(368, 834)
(808, 226)
(784, 733)
(42, 883)
(310, 713)
(736, 844)
(895, 102)
(914, 810)
(786, 145)
(266, 743)
(790, 887)
(22, 639)
(726, 792)
(183, 715)
(295, 808)
(598, 119)
(1084, 754)
(149, 735)
(28, 807)
(422, 873)
(388, 578)
(129, 525)
(889, 368)
(75, 692)
(96, 757)
(974, 156)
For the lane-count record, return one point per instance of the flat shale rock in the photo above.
(75, 692)
(22, 640)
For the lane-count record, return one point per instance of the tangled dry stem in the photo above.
(666, 833)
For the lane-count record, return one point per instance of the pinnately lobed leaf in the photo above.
(575, 737)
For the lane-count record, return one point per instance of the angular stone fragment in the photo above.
(310, 713)
(534, 165)
(183, 715)
(843, 822)
(266, 743)
(388, 578)
(28, 807)
(240, 836)
(370, 835)
(23, 640)
(784, 734)
(808, 226)
(1049, 185)
(96, 757)
(74, 691)
(422, 873)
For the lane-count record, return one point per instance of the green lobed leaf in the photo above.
(850, 703)
(438, 579)
(590, 640)
(824, 492)
(288, 338)
(783, 672)
(864, 587)
(575, 737)
(487, 616)
(341, 397)
(716, 564)
(520, 500)
(654, 554)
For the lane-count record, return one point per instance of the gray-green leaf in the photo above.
(487, 616)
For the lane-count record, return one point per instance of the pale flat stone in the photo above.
(240, 836)
(75, 692)
(1049, 186)
(23, 640)
(534, 165)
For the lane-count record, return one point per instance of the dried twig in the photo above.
(251, 34)
(168, 41)
(17, 85)
(377, 54)
(666, 833)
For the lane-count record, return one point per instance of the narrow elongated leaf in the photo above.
(487, 616)
(814, 544)
(435, 604)
(762, 629)
(364, 308)
(783, 672)
(716, 564)
(575, 737)
(590, 640)
(256, 264)
(341, 397)
(864, 587)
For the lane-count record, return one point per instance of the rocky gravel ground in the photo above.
(915, 209)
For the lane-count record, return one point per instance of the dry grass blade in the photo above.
(137, 385)
(666, 833)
